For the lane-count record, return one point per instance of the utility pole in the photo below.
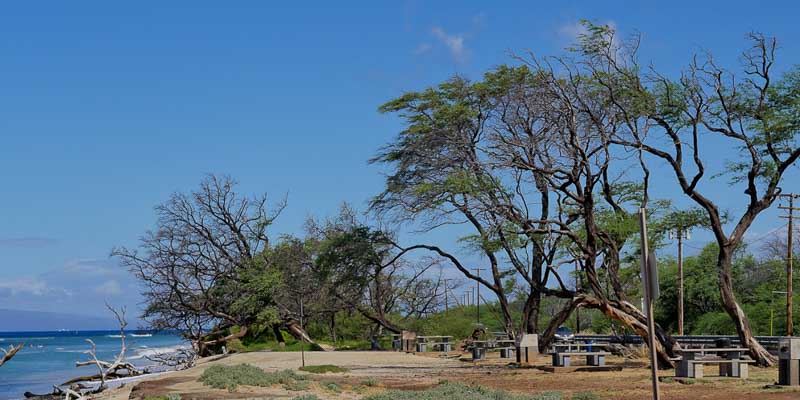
(302, 337)
(577, 288)
(680, 234)
(791, 209)
(650, 289)
(478, 286)
(445, 295)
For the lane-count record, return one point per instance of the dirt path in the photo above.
(370, 372)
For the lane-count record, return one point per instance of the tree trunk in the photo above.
(549, 333)
(740, 320)
(631, 317)
(276, 330)
(530, 312)
(297, 331)
(333, 327)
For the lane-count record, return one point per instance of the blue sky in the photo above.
(107, 108)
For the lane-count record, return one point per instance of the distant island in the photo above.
(21, 320)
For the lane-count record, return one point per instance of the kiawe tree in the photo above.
(205, 270)
(689, 123)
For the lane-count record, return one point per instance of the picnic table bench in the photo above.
(731, 361)
(563, 352)
(507, 347)
(443, 342)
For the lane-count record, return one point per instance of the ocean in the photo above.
(49, 357)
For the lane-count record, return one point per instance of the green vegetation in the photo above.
(296, 386)
(306, 397)
(460, 391)
(371, 382)
(322, 369)
(332, 386)
(230, 377)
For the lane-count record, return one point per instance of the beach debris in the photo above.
(178, 360)
(10, 353)
(118, 368)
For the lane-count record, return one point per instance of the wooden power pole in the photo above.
(478, 286)
(681, 234)
(650, 289)
(445, 295)
(789, 256)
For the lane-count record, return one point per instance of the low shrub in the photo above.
(322, 369)
(230, 377)
(370, 382)
(332, 386)
(586, 396)
(460, 391)
(296, 386)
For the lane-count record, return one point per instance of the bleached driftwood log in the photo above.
(179, 360)
(107, 370)
(10, 353)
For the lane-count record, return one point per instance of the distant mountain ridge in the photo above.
(21, 320)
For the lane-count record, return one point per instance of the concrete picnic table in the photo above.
(562, 353)
(435, 340)
(732, 365)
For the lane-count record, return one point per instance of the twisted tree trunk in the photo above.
(742, 323)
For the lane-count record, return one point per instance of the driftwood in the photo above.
(10, 353)
(118, 368)
(180, 360)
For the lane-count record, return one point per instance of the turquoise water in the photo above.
(49, 357)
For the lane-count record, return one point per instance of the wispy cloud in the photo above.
(423, 48)
(453, 42)
(109, 288)
(28, 242)
(24, 286)
(570, 32)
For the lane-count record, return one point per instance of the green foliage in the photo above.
(230, 377)
(460, 391)
(296, 386)
(323, 369)
(306, 397)
(370, 382)
(332, 386)
(586, 396)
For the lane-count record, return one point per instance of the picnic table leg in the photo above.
(560, 360)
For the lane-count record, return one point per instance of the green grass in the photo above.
(322, 369)
(230, 377)
(306, 397)
(459, 391)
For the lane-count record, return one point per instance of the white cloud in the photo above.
(423, 48)
(109, 288)
(571, 31)
(24, 286)
(453, 42)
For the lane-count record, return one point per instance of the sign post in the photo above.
(650, 288)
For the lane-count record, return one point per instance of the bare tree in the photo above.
(191, 266)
